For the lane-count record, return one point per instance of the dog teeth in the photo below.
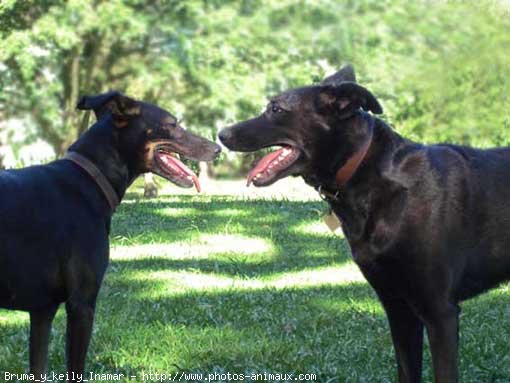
(285, 153)
(282, 159)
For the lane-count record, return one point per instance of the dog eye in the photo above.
(170, 125)
(276, 109)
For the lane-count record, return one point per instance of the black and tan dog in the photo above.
(428, 225)
(55, 218)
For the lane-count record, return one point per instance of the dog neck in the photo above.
(347, 171)
(96, 174)
(354, 203)
(99, 145)
(332, 187)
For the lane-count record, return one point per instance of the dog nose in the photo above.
(225, 135)
(217, 150)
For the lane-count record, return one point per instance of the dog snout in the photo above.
(225, 135)
(217, 150)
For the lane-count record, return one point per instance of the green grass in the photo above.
(225, 284)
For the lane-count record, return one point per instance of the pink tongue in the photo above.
(178, 167)
(263, 164)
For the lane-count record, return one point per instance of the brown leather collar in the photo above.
(345, 173)
(103, 183)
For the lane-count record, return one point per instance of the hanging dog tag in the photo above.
(332, 221)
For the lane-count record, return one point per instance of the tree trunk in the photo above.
(48, 133)
(92, 53)
(2, 166)
(71, 82)
(203, 172)
(206, 174)
(150, 189)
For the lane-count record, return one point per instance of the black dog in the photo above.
(428, 225)
(55, 218)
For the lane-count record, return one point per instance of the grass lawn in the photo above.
(227, 283)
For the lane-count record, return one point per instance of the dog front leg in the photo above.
(80, 318)
(407, 335)
(443, 333)
(40, 328)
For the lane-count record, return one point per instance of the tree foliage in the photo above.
(440, 68)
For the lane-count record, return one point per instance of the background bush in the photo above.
(440, 68)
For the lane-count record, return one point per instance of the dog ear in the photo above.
(346, 73)
(121, 107)
(347, 97)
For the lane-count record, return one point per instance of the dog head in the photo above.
(149, 138)
(317, 128)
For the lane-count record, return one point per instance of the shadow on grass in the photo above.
(279, 263)
(213, 215)
(281, 224)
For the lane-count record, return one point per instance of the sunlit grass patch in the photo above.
(12, 317)
(316, 227)
(170, 283)
(173, 212)
(200, 246)
(333, 275)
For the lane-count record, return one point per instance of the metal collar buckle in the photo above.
(327, 196)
